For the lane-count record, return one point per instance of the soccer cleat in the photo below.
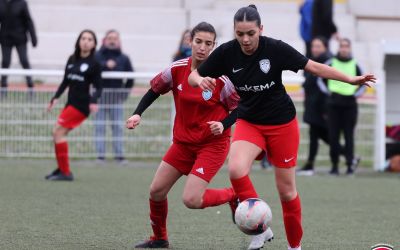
(153, 243)
(55, 172)
(294, 248)
(258, 241)
(233, 204)
(61, 177)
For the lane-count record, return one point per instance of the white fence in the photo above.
(25, 126)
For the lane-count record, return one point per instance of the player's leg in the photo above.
(176, 162)
(283, 146)
(61, 153)
(69, 119)
(209, 159)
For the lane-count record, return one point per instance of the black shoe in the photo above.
(334, 171)
(61, 177)
(349, 171)
(306, 170)
(55, 172)
(233, 204)
(153, 243)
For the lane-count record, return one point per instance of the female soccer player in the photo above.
(266, 114)
(81, 71)
(201, 136)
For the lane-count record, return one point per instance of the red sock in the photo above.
(244, 188)
(62, 157)
(216, 197)
(158, 218)
(292, 220)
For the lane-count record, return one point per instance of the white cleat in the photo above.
(258, 241)
(294, 248)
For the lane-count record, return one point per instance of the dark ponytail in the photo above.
(247, 14)
(205, 27)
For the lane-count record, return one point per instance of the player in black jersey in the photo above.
(81, 71)
(266, 114)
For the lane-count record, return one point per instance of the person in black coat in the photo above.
(322, 20)
(16, 23)
(315, 113)
(116, 92)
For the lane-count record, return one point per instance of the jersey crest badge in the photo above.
(265, 65)
(84, 67)
(207, 94)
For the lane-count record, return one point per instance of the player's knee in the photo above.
(157, 192)
(191, 201)
(236, 169)
(287, 193)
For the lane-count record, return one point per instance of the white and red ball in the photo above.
(253, 216)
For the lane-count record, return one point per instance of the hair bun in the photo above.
(252, 6)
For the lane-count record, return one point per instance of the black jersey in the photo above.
(79, 74)
(257, 78)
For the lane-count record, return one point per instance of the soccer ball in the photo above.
(253, 216)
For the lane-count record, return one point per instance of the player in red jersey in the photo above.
(201, 136)
(81, 71)
(266, 115)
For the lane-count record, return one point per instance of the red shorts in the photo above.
(70, 117)
(281, 142)
(203, 160)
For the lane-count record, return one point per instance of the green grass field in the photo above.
(106, 207)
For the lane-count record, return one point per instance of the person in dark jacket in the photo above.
(16, 23)
(314, 105)
(342, 107)
(322, 20)
(116, 91)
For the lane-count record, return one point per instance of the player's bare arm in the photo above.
(325, 71)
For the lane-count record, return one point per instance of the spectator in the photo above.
(314, 105)
(306, 13)
(115, 93)
(184, 49)
(15, 22)
(322, 20)
(82, 71)
(342, 107)
(393, 148)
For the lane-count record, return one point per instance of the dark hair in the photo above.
(248, 14)
(205, 27)
(345, 40)
(323, 40)
(77, 52)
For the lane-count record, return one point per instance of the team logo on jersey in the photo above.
(84, 67)
(207, 94)
(265, 65)
(179, 87)
(382, 247)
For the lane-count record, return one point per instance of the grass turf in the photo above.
(107, 208)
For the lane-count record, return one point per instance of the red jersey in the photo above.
(195, 107)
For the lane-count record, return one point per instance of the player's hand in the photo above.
(208, 83)
(51, 104)
(133, 121)
(216, 127)
(93, 107)
(363, 80)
